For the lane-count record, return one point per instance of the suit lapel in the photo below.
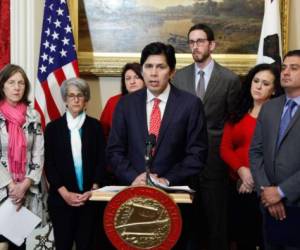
(291, 124)
(190, 79)
(141, 108)
(213, 81)
(274, 130)
(169, 113)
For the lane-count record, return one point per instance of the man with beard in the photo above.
(217, 87)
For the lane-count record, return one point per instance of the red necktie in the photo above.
(155, 118)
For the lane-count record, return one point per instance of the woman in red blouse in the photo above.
(261, 83)
(131, 80)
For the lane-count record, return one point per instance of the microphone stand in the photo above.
(151, 141)
(148, 161)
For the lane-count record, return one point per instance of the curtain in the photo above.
(4, 32)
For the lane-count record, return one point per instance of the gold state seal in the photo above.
(142, 218)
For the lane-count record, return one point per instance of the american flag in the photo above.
(57, 61)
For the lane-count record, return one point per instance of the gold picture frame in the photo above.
(110, 64)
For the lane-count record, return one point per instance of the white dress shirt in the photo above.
(163, 97)
(207, 73)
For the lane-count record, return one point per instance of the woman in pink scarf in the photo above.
(21, 144)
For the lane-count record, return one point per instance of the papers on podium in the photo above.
(116, 189)
(171, 189)
(182, 194)
(16, 225)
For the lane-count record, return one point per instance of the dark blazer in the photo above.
(271, 165)
(219, 99)
(59, 165)
(181, 145)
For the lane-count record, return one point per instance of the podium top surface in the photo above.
(110, 191)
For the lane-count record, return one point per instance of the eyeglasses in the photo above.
(73, 97)
(199, 42)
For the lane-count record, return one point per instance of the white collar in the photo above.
(207, 69)
(163, 97)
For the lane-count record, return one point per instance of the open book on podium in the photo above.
(180, 194)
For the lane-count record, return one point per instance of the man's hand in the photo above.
(269, 196)
(277, 211)
(95, 186)
(139, 180)
(160, 180)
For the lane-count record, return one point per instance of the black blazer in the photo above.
(59, 165)
(181, 145)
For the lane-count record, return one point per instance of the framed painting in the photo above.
(109, 34)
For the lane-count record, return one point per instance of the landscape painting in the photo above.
(126, 26)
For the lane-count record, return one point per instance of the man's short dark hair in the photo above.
(158, 48)
(295, 52)
(206, 29)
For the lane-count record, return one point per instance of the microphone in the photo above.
(150, 144)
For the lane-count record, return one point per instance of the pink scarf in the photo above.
(15, 117)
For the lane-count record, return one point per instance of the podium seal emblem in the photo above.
(142, 217)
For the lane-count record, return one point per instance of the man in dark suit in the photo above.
(275, 152)
(181, 146)
(180, 151)
(218, 88)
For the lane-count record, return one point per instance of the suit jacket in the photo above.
(59, 165)
(181, 146)
(218, 101)
(271, 165)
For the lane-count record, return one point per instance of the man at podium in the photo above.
(173, 117)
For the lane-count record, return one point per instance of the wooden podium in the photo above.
(142, 217)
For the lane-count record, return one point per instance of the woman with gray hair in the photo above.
(74, 165)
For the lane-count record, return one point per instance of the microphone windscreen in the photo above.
(152, 139)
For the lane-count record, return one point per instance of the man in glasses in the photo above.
(217, 87)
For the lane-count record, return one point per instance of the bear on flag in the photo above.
(270, 48)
